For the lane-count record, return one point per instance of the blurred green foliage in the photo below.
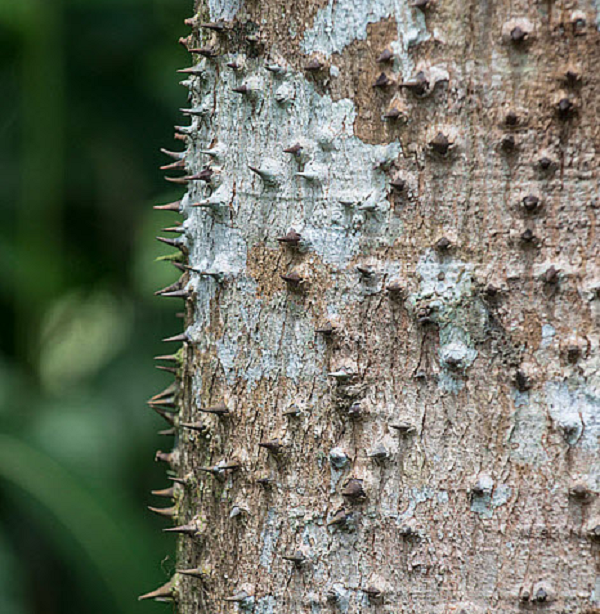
(89, 94)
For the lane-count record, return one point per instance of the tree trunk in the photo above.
(390, 389)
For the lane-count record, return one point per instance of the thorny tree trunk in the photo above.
(392, 308)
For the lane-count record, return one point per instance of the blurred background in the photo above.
(89, 93)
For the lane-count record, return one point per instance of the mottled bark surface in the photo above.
(413, 408)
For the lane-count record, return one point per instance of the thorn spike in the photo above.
(183, 338)
(185, 529)
(163, 593)
(164, 414)
(171, 242)
(174, 206)
(165, 492)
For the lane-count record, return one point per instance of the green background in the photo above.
(89, 93)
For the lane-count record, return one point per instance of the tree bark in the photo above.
(390, 389)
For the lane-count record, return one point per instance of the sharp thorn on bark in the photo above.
(572, 77)
(511, 119)
(204, 175)
(440, 144)
(385, 56)
(327, 329)
(192, 70)
(167, 392)
(192, 112)
(274, 447)
(219, 470)
(195, 426)
(518, 35)
(314, 65)
(527, 236)
(164, 593)
(163, 402)
(172, 370)
(404, 428)
(341, 517)
(531, 203)
(217, 151)
(581, 492)
(259, 171)
(186, 41)
(205, 52)
(355, 410)
(179, 180)
(167, 512)
(395, 288)
(168, 357)
(379, 453)
(422, 5)
(184, 294)
(419, 85)
(276, 69)
(193, 573)
(508, 143)
(342, 375)
(182, 338)
(172, 242)
(174, 206)
(382, 81)
(354, 490)
(216, 275)
(443, 244)
(297, 558)
(184, 529)
(294, 149)
(372, 592)
(522, 381)
(164, 457)
(308, 175)
(398, 184)
(551, 275)
(365, 270)
(238, 597)
(169, 493)
(173, 165)
(215, 26)
(292, 279)
(217, 410)
(170, 288)
(177, 155)
(185, 481)
(393, 113)
(291, 238)
(164, 414)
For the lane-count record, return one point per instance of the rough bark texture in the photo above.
(426, 374)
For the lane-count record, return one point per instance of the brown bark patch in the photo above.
(264, 265)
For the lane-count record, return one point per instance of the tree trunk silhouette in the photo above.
(388, 396)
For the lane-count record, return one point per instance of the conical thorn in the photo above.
(164, 593)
